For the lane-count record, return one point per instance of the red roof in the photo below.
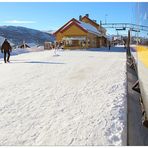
(73, 19)
(86, 27)
(73, 23)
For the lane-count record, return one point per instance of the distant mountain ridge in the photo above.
(49, 31)
(19, 34)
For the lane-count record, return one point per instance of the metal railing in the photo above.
(123, 26)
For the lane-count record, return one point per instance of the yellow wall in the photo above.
(93, 40)
(72, 31)
(143, 54)
(59, 37)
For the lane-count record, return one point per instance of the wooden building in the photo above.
(24, 45)
(48, 45)
(82, 33)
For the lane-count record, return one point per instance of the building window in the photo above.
(78, 41)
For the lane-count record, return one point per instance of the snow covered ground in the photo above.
(76, 98)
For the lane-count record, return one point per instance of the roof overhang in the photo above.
(71, 24)
(72, 20)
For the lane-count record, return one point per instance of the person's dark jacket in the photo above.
(6, 47)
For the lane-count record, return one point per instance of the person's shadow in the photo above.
(34, 62)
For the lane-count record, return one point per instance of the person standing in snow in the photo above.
(56, 47)
(61, 45)
(124, 45)
(6, 48)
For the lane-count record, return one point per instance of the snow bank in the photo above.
(18, 51)
(76, 98)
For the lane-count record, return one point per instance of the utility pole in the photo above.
(106, 18)
(128, 44)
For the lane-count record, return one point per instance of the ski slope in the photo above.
(76, 98)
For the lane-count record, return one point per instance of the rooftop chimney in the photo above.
(95, 21)
(87, 15)
(80, 18)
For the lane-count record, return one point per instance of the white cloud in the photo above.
(19, 22)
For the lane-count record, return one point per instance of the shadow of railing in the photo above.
(112, 49)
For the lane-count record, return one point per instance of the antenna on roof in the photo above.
(100, 24)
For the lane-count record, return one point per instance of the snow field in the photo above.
(76, 98)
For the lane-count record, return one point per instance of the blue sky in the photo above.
(51, 16)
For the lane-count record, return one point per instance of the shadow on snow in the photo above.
(112, 49)
(34, 62)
